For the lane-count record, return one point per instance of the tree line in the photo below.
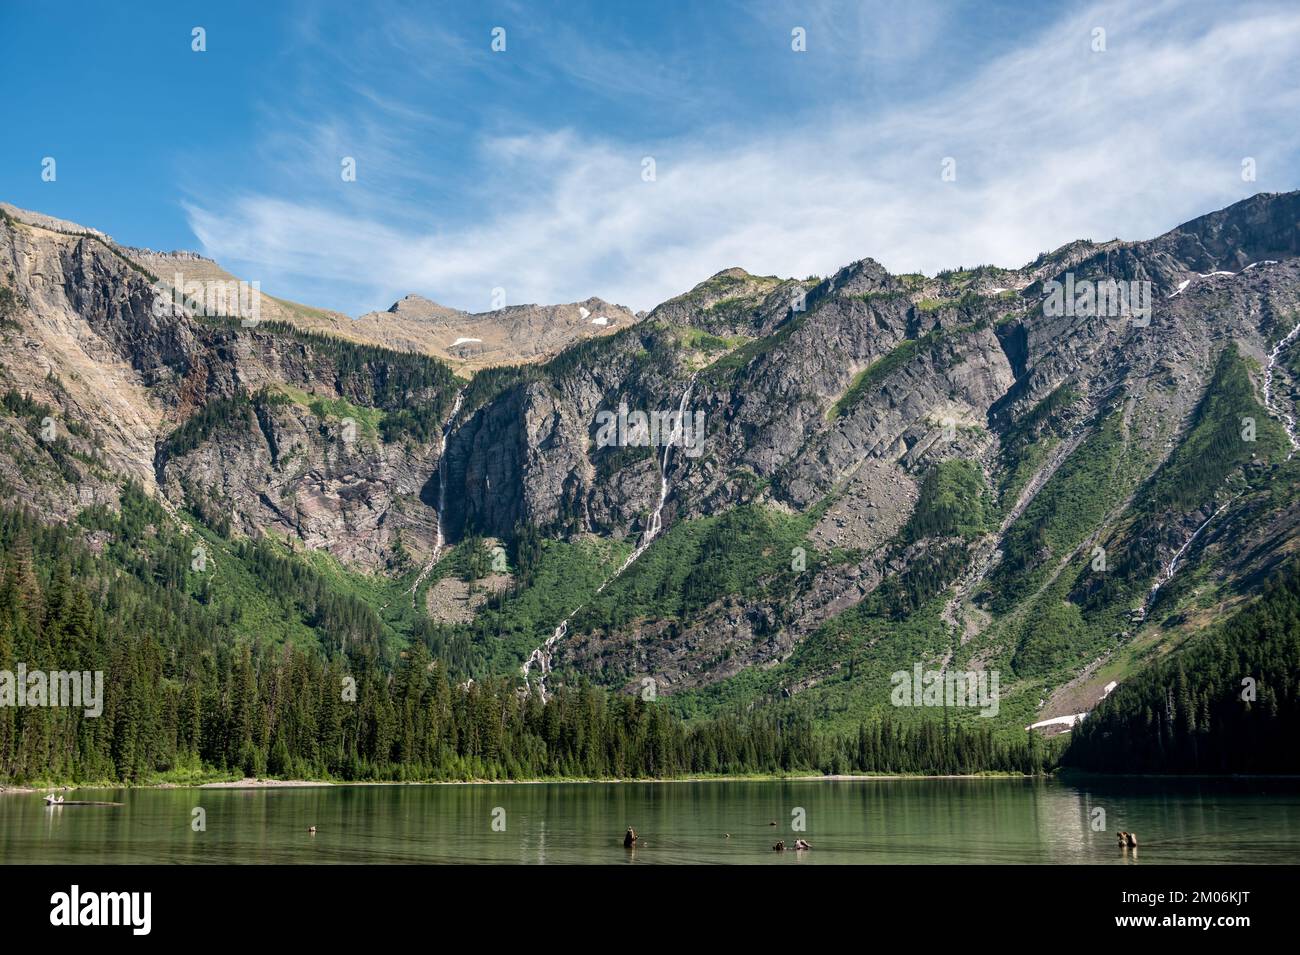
(181, 696)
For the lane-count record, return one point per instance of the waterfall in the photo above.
(541, 657)
(1172, 568)
(439, 540)
(1286, 417)
(1288, 423)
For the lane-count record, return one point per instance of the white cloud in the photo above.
(1052, 142)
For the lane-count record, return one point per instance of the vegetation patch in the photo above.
(1071, 504)
(745, 551)
(867, 380)
(954, 502)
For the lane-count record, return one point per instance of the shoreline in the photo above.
(255, 783)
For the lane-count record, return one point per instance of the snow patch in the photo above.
(600, 320)
(464, 341)
(1073, 718)
(1070, 720)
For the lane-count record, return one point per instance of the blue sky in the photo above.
(522, 169)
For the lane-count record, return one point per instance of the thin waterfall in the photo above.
(1288, 423)
(1286, 417)
(1172, 567)
(541, 657)
(439, 540)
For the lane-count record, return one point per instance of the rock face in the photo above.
(126, 380)
(104, 346)
(829, 399)
(277, 467)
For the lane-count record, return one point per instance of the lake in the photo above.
(993, 820)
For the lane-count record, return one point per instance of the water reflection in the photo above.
(993, 820)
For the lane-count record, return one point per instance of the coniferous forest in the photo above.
(1227, 703)
(183, 698)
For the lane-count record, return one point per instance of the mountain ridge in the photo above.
(945, 450)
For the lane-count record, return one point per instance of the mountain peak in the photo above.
(864, 276)
(417, 306)
(735, 272)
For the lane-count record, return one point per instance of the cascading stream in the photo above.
(1172, 567)
(541, 657)
(1288, 423)
(1286, 417)
(439, 540)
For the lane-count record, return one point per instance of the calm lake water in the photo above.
(858, 821)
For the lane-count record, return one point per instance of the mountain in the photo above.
(984, 470)
(948, 455)
(511, 334)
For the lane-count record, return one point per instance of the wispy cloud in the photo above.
(1052, 141)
